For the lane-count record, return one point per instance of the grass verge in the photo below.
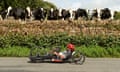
(91, 51)
(15, 51)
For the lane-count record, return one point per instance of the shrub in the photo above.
(60, 39)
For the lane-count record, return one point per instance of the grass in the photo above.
(15, 51)
(96, 51)
(91, 51)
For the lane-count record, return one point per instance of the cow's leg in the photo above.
(22, 21)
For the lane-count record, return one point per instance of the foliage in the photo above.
(92, 45)
(24, 3)
(117, 15)
(60, 39)
(18, 45)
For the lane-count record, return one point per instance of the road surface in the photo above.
(90, 65)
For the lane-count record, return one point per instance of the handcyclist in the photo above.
(65, 54)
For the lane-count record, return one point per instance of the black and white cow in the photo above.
(105, 13)
(92, 14)
(17, 13)
(28, 12)
(56, 14)
(39, 13)
(36, 13)
(53, 14)
(81, 13)
(3, 14)
(66, 14)
(60, 13)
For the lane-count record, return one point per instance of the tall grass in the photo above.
(89, 51)
(97, 51)
(15, 51)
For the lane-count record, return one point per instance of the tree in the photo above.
(48, 5)
(24, 3)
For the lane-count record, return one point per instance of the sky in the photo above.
(87, 4)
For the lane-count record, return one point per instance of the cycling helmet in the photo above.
(71, 47)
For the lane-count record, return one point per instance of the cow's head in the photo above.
(51, 13)
(60, 12)
(28, 12)
(71, 14)
(8, 11)
(42, 13)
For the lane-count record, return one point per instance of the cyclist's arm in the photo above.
(58, 54)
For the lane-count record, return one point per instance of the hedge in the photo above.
(60, 39)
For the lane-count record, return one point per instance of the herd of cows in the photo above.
(55, 14)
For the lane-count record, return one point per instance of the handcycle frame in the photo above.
(76, 57)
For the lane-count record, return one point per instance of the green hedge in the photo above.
(60, 39)
(17, 45)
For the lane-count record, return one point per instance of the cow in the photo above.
(112, 14)
(92, 14)
(17, 13)
(39, 13)
(106, 13)
(28, 12)
(72, 14)
(60, 13)
(36, 13)
(67, 14)
(81, 13)
(53, 14)
(56, 14)
(3, 14)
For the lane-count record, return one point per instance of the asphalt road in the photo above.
(90, 65)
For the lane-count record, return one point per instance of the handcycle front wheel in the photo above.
(78, 58)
